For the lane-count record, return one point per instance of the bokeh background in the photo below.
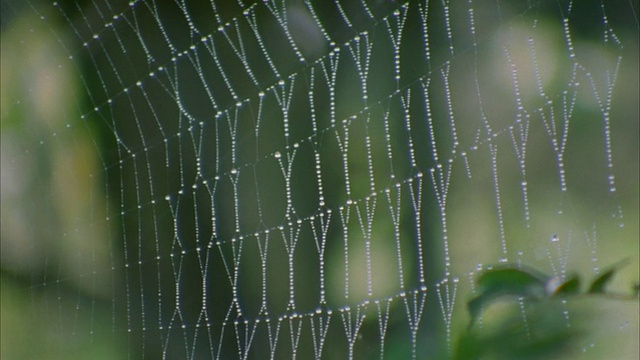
(83, 219)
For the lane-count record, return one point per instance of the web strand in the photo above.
(304, 179)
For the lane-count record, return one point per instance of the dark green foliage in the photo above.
(505, 281)
(599, 284)
(543, 336)
(533, 328)
(509, 281)
(569, 287)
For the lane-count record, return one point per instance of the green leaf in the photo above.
(569, 287)
(601, 281)
(506, 282)
(511, 281)
(509, 337)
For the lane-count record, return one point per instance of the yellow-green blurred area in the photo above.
(79, 230)
(56, 273)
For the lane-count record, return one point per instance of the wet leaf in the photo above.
(529, 283)
(509, 337)
(510, 280)
(599, 284)
(569, 287)
(506, 282)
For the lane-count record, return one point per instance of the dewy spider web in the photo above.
(310, 179)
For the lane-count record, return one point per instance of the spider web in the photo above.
(309, 179)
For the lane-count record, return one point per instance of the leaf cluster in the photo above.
(531, 284)
(545, 334)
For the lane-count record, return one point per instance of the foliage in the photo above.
(525, 321)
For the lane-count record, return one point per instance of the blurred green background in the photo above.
(77, 206)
